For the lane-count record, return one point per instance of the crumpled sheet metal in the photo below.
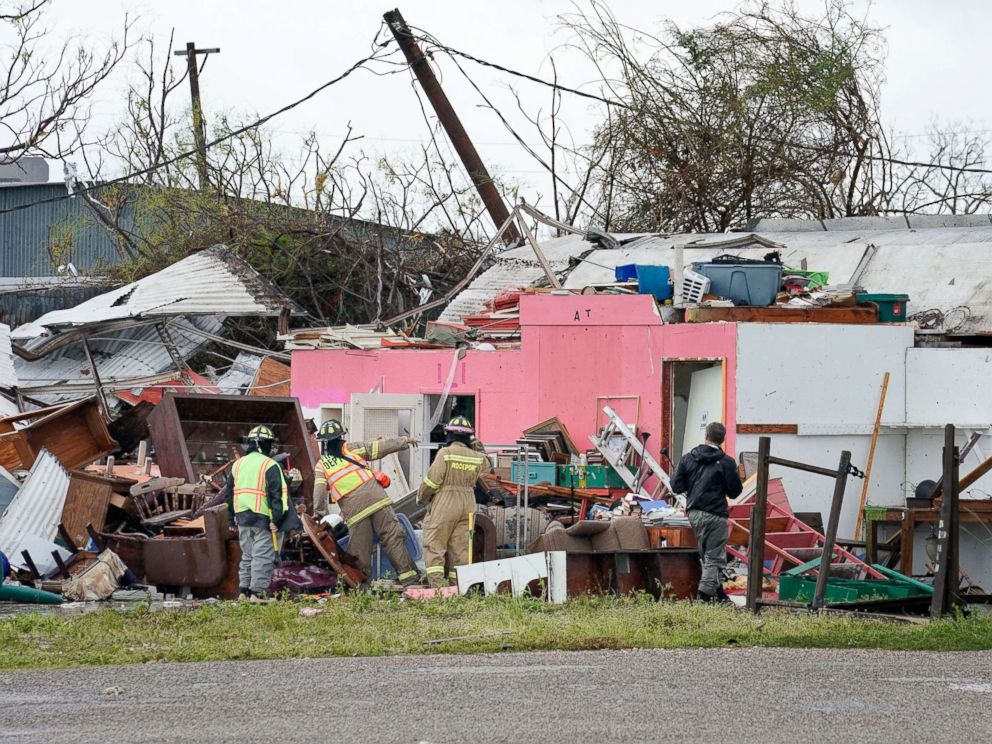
(37, 507)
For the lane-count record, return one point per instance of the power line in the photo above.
(375, 56)
(620, 104)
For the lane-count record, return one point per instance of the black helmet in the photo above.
(459, 425)
(330, 430)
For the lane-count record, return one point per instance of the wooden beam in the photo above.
(849, 315)
(830, 538)
(871, 458)
(756, 541)
(767, 428)
(946, 574)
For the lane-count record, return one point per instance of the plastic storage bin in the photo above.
(744, 284)
(625, 273)
(590, 476)
(891, 307)
(537, 472)
(656, 281)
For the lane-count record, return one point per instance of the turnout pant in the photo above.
(446, 535)
(258, 557)
(711, 534)
(392, 538)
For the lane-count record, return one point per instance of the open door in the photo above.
(703, 404)
(375, 415)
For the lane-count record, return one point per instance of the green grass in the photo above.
(368, 626)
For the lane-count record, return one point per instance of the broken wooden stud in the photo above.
(756, 541)
(830, 538)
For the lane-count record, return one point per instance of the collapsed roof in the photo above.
(137, 335)
(944, 263)
(212, 282)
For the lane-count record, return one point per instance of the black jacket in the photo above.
(708, 477)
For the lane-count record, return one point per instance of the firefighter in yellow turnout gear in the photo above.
(258, 501)
(450, 487)
(343, 475)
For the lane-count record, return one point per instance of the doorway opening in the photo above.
(455, 405)
(695, 399)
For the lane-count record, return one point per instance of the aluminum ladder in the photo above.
(618, 458)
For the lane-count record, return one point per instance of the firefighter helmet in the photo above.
(460, 425)
(330, 430)
(261, 434)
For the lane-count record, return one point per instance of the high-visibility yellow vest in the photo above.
(249, 484)
(342, 476)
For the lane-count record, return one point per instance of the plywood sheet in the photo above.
(86, 503)
(271, 380)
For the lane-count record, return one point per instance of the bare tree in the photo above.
(46, 87)
(353, 238)
(946, 182)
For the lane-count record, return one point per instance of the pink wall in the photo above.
(574, 348)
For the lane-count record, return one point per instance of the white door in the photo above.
(705, 405)
(375, 415)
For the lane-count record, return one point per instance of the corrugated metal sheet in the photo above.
(8, 375)
(942, 262)
(240, 374)
(122, 358)
(211, 282)
(34, 241)
(37, 507)
(517, 267)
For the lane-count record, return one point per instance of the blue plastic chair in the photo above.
(380, 561)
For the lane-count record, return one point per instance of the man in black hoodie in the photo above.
(708, 477)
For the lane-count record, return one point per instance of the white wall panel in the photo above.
(819, 374)
(810, 492)
(949, 386)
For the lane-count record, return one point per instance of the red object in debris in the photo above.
(153, 393)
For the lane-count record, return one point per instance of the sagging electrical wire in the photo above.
(376, 56)
(451, 51)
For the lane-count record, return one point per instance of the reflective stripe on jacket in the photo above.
(248, 474)
(455, 469)
(343, 477)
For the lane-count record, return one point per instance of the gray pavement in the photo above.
(739, 695)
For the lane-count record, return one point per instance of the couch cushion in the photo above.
(625, 533)
(588, 527)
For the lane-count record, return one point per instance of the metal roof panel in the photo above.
(37, 507)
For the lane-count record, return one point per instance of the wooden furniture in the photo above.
(76, 434)
(671, 537)
(906, 520)
(195, 435)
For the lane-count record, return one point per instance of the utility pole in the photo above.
(449, 120)
(199, 133)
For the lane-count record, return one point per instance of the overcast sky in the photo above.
(273, 52)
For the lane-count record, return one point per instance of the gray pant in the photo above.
(711, 534)
(258, 557)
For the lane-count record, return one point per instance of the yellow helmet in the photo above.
(261, 434)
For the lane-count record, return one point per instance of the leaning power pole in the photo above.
(199, 133)
(449, 120)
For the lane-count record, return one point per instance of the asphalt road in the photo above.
(739, 695)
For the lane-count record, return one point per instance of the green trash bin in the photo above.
(891, 307)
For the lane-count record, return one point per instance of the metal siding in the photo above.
(211, 282)
(25, 235)
(37, 507)
(121, 358)
(8, 375)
